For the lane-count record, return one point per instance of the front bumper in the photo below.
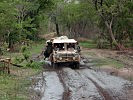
(66, 59)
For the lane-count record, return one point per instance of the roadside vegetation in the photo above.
(108, 62)
(88, 44)
(15, 86)
(105, 24)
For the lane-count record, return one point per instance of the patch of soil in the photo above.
(130, 94)
(125, 57)
(48, 36)
(126, 73)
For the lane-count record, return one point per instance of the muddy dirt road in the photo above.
(86, 83)
(82, 84)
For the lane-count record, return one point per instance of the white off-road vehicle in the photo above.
(65, 50)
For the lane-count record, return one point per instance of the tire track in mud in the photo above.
(74, 81)
(66, 92)
(79, 87)
(53, 87)
(58, 70)
(102, 91)
(106, 94)
(49, 68)
(110, 87)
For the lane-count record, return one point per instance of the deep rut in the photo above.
(102, 91)
(85, 84)
(66, 92)
(110, 87)
(78, 87)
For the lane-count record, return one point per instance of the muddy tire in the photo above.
(54, 65)
(75, 66)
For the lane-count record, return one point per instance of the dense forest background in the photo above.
(104, 21)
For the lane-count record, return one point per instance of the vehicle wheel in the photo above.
(54, 65)
(77, 65)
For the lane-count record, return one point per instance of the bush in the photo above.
(25, 52)
(24, 49)
(34, 64)
(26, 56)
(18, 60)
(102, 44)
(88, 44)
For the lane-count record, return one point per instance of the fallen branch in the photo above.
(8, 61)
(16, 65)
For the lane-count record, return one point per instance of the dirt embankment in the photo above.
(126, 57)
(117, 62)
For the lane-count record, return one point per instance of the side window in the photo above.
(71, 46)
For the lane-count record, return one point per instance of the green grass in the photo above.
(108, 61)
(129, 44)
(15, 86)
(36, 48)
(88, 44)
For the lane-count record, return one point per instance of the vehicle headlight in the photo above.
(60, 58)
(74, 58)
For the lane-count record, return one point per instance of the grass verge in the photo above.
(108, 61)
(16, 85)
(88, 44)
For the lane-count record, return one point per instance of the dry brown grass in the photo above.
(48, 36)
(81, 39)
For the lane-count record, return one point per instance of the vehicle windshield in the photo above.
(64, 46)
(59, 46)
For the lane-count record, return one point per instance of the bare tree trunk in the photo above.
(109, 27)
(10, 42)
(57, 29)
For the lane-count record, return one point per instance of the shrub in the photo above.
(26, 56)
(18, 60)
(24, 49)
(34, 64)
(102, 43)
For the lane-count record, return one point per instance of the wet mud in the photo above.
(86, 83)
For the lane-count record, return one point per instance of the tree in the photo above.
(19, 19)
(76, 17)
(111, 12)
(54, 14)
(7, 19)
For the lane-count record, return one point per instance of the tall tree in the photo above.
(19, 19)
(111, 12)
